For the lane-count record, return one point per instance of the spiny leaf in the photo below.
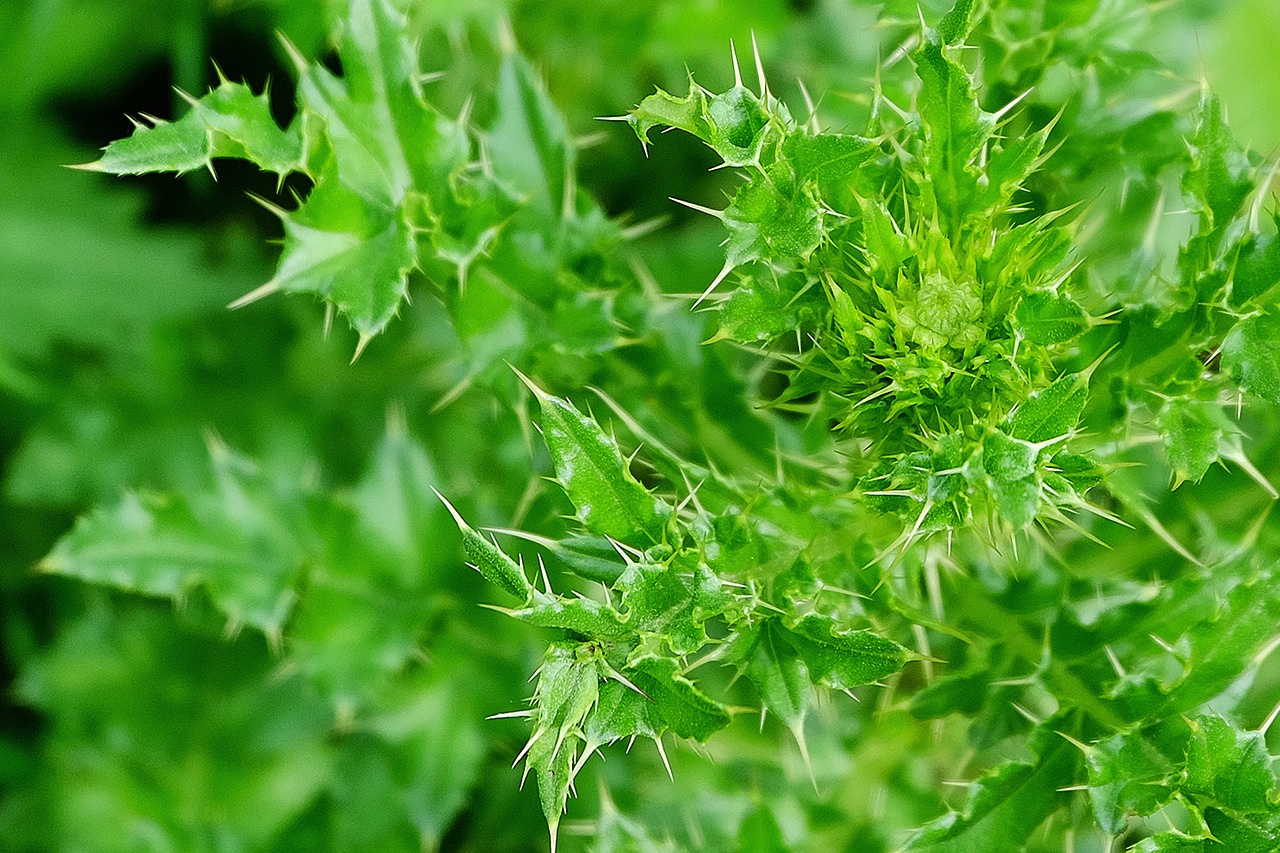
(844, 659)
(955, 25)
(1053, 412)
(1256, 270)
(1229, 768)
(582, 616)
(230, 121)
(492, 563)
(353, 253)
(1251, 354)
(1219, 179)
(1135, 773)
(528, 143)
(828, 158)
(588, 464)
(955, 126)
(775, 669)
(684, 708)
(1050, 318)
(1193, 432)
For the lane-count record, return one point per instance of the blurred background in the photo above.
(120, 368)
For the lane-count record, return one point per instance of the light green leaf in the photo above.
(1053, 412)
(1229, 768)
(1256, 270)
(396, 505)
(353, 253)
(1050, 318)
(230, 121)
(956, 24)
(955, 126)
(238, 540)
(528, 143)
(582, 616)
(828, 158)
(775, 668)
(1220, 178)
(656, 599)
(490, 560)
(1193, 432)
(1135, 773)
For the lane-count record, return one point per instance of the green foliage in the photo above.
(961, 473)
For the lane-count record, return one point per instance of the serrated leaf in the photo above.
(955, 126)
(1193, 431)
(1219, 179)
(384, 136)
(657, 599)
(775, 669)
(582, 616)
(766, 221)
(351, 252)
(1256, 270)
(1251, 354)
(828, 158)
(1008, 166)
(684, 708)
(759, 310)
(733, 123)
(1221, 646)
(609, 500)
(1006, 459)
(621, 712)
(230, 121)
(664, 110)
(956, 24)
(1135, 773)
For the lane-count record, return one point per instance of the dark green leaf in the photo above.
(684, 708)
(610, 501)
(1251, 354)
(844, 659)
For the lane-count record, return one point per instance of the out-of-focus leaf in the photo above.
(1005, 806)
(237, 541)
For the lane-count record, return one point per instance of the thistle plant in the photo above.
(932, 499)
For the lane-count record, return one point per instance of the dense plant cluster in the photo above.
(956, 473)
